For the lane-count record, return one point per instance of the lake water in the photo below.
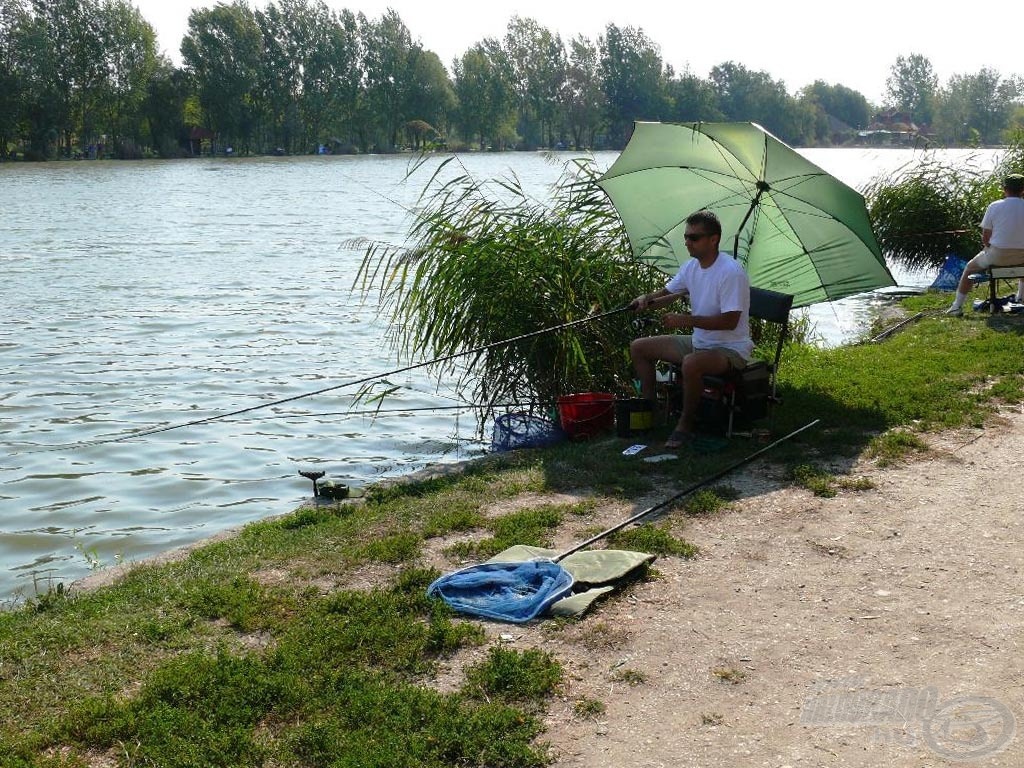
(137, 295)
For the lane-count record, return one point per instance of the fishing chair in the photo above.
(734, 401)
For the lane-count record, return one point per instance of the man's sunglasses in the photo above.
(694, 236)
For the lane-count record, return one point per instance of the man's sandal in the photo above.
(678, 439)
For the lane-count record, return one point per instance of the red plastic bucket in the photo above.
(586, 414)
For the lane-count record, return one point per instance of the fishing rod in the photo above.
(366, 379)
(384, 411)
(685, 492)
(889, 331)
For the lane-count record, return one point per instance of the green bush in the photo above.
(933, 207)
(489, 264)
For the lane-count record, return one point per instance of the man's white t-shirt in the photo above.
(1006, 220)
(722, 287)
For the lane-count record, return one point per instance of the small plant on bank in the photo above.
(529, 527)
(894, 446)
(632, 677)
(855, 483)
(589, 709)
(729, 675)
(599, 635)
(709, 501)
(814, 479)
(511, 675)
(655, 540)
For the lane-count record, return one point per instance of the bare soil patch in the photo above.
(877, 627)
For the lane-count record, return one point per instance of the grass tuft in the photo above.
(709, 501)
(893, 447)
(511, 675)
(529, 527)
(814, 479)
(655, 540)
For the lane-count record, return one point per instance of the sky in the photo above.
(797, 42)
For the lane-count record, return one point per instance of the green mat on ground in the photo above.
(596, 572)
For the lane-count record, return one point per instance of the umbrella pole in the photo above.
(685, 492)
(762, 187)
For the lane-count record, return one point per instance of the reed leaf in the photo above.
(487, 263)
(932, 207)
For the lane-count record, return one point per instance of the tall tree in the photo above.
(432, 101)
(283, 27)
(975, 106)
(538, 62)
(486, 108)
(388, 52)
(841, 102)
(164, 108)
(331, 75)
(71, 61)
(130, 56)
(912, 87)
(747, 95)
(691, 98)
(222, 51)
(632, 80)
(14, 23)
(582, 97)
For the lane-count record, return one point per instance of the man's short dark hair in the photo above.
(1014, 184)
(706, 219)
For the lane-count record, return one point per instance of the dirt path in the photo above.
(875, 628)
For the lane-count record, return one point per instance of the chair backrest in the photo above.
(773, 307)
(770, 305)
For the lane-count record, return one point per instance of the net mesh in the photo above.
(514, 592)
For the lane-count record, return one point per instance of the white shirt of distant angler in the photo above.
(722, 287)
(1005, 219)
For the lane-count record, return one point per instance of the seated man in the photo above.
(719, 292)
(1002, 240)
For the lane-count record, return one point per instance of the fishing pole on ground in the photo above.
(366, 379)
(392, 411)
(520, 591)
(902, 323)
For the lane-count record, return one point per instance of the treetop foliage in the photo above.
(84, 77)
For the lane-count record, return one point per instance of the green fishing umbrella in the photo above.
(795, 228)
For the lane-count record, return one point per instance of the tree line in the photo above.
(296, 76)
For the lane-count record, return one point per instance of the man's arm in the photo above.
(660, 298)
(986, 237)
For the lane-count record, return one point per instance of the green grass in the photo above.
(259, 649)
(892, 447)
(814, 479)
(656, 540)
(529, 527)
(510, 675)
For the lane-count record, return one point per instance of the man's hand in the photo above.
(640, 303)
(678, 320)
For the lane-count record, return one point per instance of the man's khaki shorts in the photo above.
(685, 342)
(997, 257)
